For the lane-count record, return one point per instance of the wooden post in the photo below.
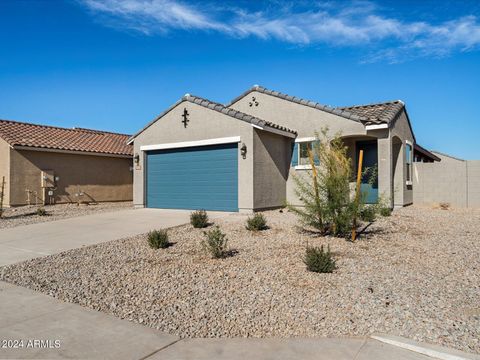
(1, 196)
(357, 193)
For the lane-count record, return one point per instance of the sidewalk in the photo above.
(87, 334)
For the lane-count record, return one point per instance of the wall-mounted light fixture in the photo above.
(243, 151)
(136, 159)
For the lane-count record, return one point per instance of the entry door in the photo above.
(202, 177)
(370, 161)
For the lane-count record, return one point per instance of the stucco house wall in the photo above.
(5, 170)
(272, 154)
(203, 124)
(307, 120)
(401, 130)
(100, 178)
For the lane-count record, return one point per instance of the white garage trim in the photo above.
(184, 144)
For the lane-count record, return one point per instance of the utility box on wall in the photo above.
(48, 179)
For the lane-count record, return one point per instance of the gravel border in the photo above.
(414, 274)
(25, 215)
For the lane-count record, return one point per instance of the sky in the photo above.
(116, 64)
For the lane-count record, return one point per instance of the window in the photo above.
(408, 160)
(303, 148)
(300, 159)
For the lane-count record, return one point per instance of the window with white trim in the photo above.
(303, 148)
(409, 161)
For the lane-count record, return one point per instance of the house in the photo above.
(241, 156)
(46, 164)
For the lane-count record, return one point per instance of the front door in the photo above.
(369, 186)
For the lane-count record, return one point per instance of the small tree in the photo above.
(328, 202)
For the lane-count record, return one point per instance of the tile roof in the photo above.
(384, 112)
(425, 152)
(50, 137)
(370, 113)
(219, 108)
(234, 113)
(297, 100)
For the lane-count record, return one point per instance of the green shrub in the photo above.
(41, 212)
(368, 214)
(257, 222)
(199, 219)
(385, 211)
(329, 205)
(318, 260)
(158, 239)
(215, 243)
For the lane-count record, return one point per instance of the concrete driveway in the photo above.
(31, 241)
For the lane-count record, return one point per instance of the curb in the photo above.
(424, 349)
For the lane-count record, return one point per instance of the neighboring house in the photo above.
(46, 164)
(241, 157)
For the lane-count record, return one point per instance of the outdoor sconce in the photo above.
(136, 159)
(243, 151)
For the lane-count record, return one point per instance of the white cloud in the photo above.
(360, 23)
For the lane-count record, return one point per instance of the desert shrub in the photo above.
(385, 211)
(199, 219)
(318, 260)
(158, 239)
(368, 213)
(444, 206)
(328, 202)
(256, 222)
(215, 243)
(41, 212)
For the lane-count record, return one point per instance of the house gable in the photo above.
(305, 119)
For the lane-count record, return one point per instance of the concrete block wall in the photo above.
(451, 180)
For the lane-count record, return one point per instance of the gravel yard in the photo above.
(416, 274)
(25, 215)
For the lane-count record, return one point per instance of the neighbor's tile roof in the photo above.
(377, 113)
(77, 139)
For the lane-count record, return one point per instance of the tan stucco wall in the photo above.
(451, 180)
(306, 121)
(473, 183)
(402, 130)
(272, 154)
(100, 178)
(5, 171)
(204, 124)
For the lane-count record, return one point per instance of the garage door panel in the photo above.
(204, 177)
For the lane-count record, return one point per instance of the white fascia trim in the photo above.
(184, 144)
(275, 131)
(376, 127)
(305, 139)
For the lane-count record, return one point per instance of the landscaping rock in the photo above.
(415, 274)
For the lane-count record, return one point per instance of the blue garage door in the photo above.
(202, 177)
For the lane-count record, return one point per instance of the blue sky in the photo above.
(116, 64)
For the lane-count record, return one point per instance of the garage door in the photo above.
(202, 177)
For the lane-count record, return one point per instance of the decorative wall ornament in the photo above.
(243, 151)
(185, 117)
(253, 102)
